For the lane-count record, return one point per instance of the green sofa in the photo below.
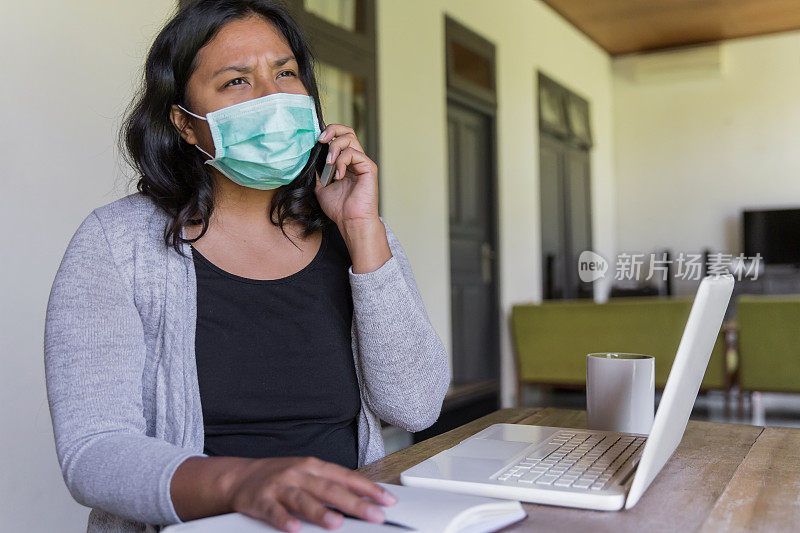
(551, 340)
(769, 343)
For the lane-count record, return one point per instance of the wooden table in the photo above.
(722, 477)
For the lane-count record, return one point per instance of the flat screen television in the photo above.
(775, 234)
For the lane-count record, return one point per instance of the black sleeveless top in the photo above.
(274, 360)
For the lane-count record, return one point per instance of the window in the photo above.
(563, 114)
(347, 14)
(471, 66)
(342, 38)
(343, 99)
(552, 113)
(470, 63)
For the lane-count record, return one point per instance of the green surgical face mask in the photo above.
(265, 142)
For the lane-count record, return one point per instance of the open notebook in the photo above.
(422, 510)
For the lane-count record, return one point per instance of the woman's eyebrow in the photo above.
(244, 69)
(282, 61)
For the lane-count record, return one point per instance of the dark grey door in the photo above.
(579, 221)
(564, 181)
(551, 185)
(472, 245)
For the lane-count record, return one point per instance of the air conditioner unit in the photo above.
(706, 61)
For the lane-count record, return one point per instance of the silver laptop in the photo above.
(589, 469)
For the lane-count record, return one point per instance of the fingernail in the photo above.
(389, 498)
(332, 519)
(321, 136)
(293, 524)
(335, 173)
(329, 159)
(374, 514)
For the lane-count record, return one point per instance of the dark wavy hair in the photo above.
(171, 171)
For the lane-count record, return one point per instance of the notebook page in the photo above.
(421, 510)
(433, 511)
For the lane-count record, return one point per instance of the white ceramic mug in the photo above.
(620, 392)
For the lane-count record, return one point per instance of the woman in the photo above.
(228, 338)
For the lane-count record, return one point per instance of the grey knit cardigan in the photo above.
(120, 364)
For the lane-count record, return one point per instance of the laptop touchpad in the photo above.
(518, 432)
(487, 449)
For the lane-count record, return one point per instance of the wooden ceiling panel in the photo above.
(627, 26)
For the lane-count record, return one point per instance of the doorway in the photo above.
(472, 179)
(565, 189)
(471, 111)
(472, 245)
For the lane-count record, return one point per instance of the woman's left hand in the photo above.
(351, 199)
(352, 194)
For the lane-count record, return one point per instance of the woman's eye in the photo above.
(290, 72)
(233, 81)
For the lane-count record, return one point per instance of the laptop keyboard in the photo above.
(576, 459)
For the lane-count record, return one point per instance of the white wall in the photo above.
(413, 124)
(68, 71)
(692, 152)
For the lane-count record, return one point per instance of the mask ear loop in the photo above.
(187, 111)
(201, 118)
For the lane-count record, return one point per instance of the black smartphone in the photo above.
(324, 170)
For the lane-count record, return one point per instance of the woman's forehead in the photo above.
(244, 40)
